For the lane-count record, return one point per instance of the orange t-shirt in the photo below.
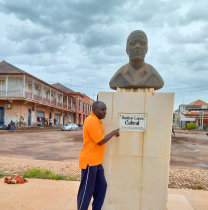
(92, 153)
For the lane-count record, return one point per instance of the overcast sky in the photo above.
(81, 44)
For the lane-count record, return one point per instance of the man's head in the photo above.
(99, 109)
(137, 45)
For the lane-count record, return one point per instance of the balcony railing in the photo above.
(37, 97)
(53, 102)
(11, 93)
(14, 93)
(28, 95)
(31, 96)
(65, 106)
(2, 93)
(45, 100)
(59, 104)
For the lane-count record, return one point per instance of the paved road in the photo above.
(187, 150)
(189, 155)
(47, 145)
(190, 150)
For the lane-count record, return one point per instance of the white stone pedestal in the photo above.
(137, 163)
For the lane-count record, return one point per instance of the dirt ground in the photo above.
(190, 150)
(58, 151)
(187, 150)
(44, 145)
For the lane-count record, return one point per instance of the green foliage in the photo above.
(45, 174)
(4, 175)
(171, 185)
(195, 187)
(191, 125)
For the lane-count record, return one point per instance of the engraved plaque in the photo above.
(132, 122)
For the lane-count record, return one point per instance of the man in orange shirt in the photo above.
(93, 183)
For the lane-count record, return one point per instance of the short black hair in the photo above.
(96, 104)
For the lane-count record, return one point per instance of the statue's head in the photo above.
(137, 45)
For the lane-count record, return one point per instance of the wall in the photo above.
(137, 163)
(15, 82)
(20, 108)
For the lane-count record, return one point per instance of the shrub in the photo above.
(45, 174)
(191, 125)
(2, 175)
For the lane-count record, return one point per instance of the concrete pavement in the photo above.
(39, 194)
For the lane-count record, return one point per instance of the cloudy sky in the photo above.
(81, 43)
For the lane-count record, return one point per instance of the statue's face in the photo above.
(137, 47)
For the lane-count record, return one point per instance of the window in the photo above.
(59, 98)
(2, 82)
(37, 87)
(29, 87)
(80, 105)
(47, 94)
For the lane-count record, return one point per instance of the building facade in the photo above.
(27, 100)
(195, 113)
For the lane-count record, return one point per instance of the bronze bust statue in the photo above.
(136, 73)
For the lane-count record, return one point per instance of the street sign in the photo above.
(132, 122)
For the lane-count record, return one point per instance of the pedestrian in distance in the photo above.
(93, 182)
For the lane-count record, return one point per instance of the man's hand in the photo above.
(109, 136)
(116, 132)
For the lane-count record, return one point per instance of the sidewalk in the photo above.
(40, 194)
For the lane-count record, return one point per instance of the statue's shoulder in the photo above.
(154, 77)
(121, 72)
(123, 69)
(118, 78)
(152, 70)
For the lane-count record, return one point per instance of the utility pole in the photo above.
(93, 96)
(202, 119)
(70, 84)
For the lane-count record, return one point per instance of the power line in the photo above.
(70, 85)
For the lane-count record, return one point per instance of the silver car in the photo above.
(70, 127)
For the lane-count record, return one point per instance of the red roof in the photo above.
(7, 68)
(62, 88)
(198, 103)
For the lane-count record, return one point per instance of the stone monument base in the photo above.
(136, 163)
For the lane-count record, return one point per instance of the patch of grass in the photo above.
(45, 174)
(4, 175)
(196, 187)
(171, 185)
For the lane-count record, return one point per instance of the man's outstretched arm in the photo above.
(109, 136)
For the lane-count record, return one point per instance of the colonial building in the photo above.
(195, 112)
(28, 100)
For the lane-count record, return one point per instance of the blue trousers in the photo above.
(93, 184)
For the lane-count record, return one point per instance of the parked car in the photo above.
(70, 127)
(3, 127)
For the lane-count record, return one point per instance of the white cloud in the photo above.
(82, 43)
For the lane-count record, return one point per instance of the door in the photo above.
(29, 117)
(40, 118)
(57, 117)
(1, 115)
(63, 119)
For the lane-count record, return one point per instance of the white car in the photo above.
(70, 127)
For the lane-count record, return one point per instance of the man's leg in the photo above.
(86, 188)
(100, 189)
